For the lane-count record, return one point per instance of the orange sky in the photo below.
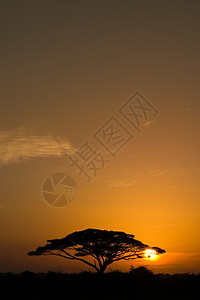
(68, 67)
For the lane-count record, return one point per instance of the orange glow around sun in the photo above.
(150, 254)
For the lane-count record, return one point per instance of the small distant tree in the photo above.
(102, 247)
(141, 271)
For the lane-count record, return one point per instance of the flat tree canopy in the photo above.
(101, 246)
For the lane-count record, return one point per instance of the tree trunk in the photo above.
(102, 269)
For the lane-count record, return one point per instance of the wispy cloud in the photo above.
(161, 225)
(3, 207)
(148, 123)
(157, 172)
(122, 184)
(19, 145)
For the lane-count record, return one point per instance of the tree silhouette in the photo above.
(104, 247)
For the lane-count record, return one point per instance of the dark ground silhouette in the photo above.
(138, 284)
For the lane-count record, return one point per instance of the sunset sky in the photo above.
(66, 68)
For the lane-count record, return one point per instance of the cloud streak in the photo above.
(157, 172)
(162, 225)
(122, 184)
(20, 145)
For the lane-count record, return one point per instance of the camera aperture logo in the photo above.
(59, 189)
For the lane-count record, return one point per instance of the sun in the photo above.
(150, 253)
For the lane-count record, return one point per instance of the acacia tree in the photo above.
(104, 247)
